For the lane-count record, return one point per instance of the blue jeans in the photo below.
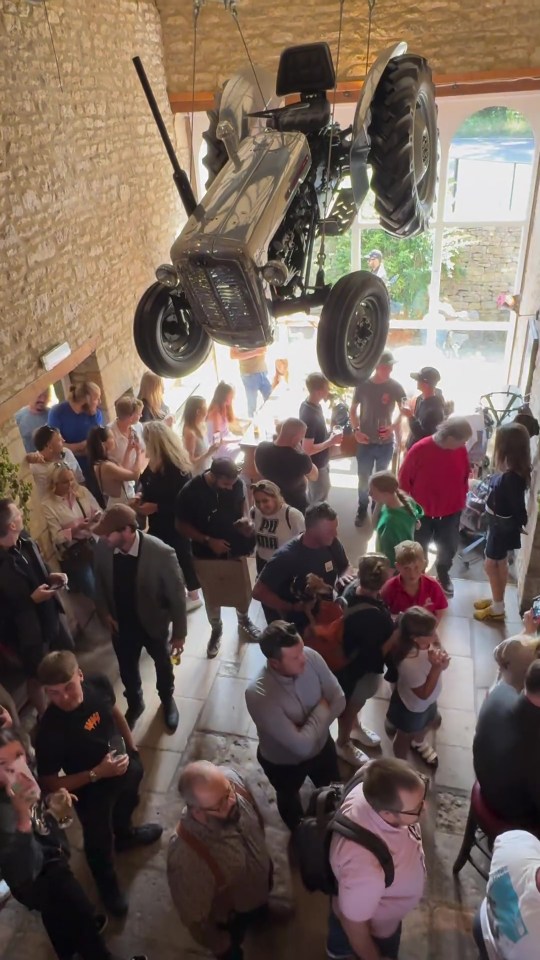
(337, 943)
(370, 457)
(255, 383)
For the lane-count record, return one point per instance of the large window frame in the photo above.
(453, 111)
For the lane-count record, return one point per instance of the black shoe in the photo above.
(360, 518)
(133, 713)
(115, 902)
(447, 586)
(214, 642)
(170, 714)
(141, 836)
(252, 633)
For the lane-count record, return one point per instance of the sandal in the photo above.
(426, 751)
(486, 613)
(482, 604)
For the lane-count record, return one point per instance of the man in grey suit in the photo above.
(139, 591)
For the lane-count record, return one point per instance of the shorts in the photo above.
(364, 689)
(408, 721)
(500, 540)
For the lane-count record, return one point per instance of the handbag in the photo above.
(225, 583)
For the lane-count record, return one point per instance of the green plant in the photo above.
(13, 485)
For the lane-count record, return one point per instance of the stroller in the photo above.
(473, 520)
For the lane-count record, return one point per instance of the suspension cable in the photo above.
(371, 7)
(232, 7)
(197, 4)
(322, 254)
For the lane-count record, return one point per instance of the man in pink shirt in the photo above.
(366, 916)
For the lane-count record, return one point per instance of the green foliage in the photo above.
(12, 484)
(338, 257)
(495, 122)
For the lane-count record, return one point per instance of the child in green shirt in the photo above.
(397, 515)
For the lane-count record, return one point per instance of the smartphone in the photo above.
(536, 608)
(55, 586)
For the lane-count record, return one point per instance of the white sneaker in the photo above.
(351, 754)
(193, 604)
(368, 738)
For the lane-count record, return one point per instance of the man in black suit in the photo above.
(140, 591)
(31, 613)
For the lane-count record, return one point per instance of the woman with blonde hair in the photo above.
(194, 435)
(70, 510)
(75, 417)
(114, 480)
(397, 516)
(274, 520)
(151, 392)
(168, 470)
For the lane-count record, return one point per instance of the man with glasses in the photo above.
(366, 916)
(218, 866)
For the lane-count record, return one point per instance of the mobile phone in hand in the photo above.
(536, 608)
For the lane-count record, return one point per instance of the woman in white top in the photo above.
(275, 522)
(70, 511)
(114, 479)
(127, 425)
(420, 661)
(222, 426)
(195, 436)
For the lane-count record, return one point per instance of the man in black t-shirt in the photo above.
(317, 551)
(284, 463)
(318, 440)
(374, 427)
(84, 734)
(211, 511)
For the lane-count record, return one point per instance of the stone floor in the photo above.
(214, 724)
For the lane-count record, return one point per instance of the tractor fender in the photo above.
(362, 119)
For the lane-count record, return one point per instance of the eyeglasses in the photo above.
(416, 813)
(223, 804)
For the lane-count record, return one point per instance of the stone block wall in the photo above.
(486, 266)
(454, 35)
(87, 202)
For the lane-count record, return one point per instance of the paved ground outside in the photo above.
(214, 724)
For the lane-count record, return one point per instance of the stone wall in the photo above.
(87, 201)
(454, 35)
(486, 266)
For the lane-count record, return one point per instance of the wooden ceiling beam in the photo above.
(447, 85)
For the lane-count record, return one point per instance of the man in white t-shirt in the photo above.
(366, 916)
(507, 926)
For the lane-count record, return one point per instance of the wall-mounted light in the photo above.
(55, 356)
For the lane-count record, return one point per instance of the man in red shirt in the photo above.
(435, 473)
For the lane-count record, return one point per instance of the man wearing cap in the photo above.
(211, 510)
(376, 264)
(139, 591)
(429, 408)
(372, 410)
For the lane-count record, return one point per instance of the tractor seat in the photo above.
(308, 116)
(306, 69)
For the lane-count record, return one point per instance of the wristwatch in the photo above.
(93, 776)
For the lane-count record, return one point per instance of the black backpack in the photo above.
(313, 835)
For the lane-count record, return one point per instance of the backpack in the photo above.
(313, 835)
(325, 636)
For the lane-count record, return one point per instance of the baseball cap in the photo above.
(223, 467)
(374, 253)
(427, 375)
(115, 518)
(386, 359)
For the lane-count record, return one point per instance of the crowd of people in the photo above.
(140, 517)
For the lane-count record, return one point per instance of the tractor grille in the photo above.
(219, 292)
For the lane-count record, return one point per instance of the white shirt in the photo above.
(510, 914)
(42, 471)
(120, 447)
(275, 531)
(134, 548)
(413, 672)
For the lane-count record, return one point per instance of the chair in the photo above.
(482, 827)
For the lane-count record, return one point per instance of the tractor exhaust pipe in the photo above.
(179, 176)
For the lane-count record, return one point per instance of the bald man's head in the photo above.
(208, 792)
(292, 432)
